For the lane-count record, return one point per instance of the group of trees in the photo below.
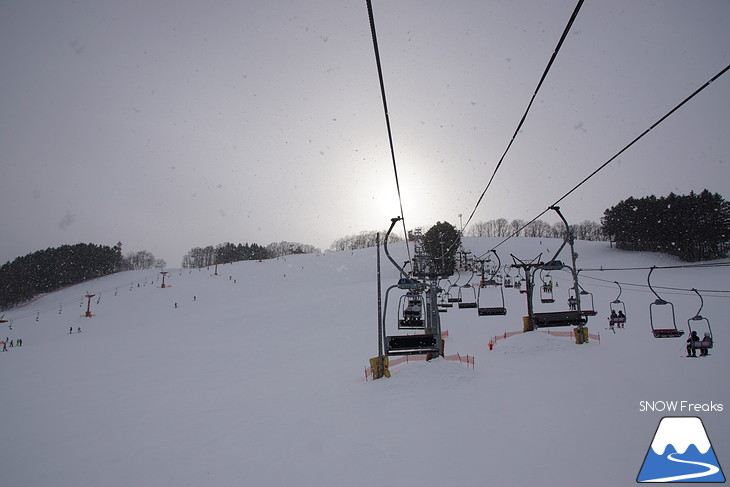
(53, 268)
(361, 240)
(693, 227)
(143, 259)
(227, 252)
(440, 244)
(501, 227)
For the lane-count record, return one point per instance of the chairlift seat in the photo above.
(555, 265)
(463, 305)
(547, 300)
(558, 318)
(411, 324)
(589, 312)
(701, 344)
(497, 311)
(454, 300)
(412, 344)
(667, 333)
(618, 319)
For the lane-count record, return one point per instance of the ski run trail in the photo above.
(256, 377)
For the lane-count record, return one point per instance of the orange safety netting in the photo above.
(463, 359)
(567, 334)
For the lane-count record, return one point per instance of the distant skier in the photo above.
(70, 330)
(5, 347)
(78, 330)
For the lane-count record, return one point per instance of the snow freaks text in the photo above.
(679, 407)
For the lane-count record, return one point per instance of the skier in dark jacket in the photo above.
(693, 338)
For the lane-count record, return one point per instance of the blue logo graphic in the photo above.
(680, 452)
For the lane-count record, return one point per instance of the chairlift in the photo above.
(498, 279)
(666, 331)
(546, 290)
(483, 310)
(618, 310)
(410, 311)
(558, 318)
(451, 297)
(507, 278)
(518, 284)
(443, 300)
(466, 302)
(706, 341)
(412, 344)
(586, 303)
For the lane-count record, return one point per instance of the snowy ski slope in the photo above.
(257, 378)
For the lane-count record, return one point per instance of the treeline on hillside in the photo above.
(501, 227)
(693, 227)
(227, 252)
(47, 270)
(143, 259)
(361, 240)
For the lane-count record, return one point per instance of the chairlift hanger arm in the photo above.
(618, 298)
(393, 221)
(697, 315)
(648, 281)
(568, 234)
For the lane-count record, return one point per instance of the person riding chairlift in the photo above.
(706, 344)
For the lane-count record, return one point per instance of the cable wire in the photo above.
(387, 119)
(529, 105)
(640, 136)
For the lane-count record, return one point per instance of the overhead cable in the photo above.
(654, 125)
(387, 120)
(529, 105)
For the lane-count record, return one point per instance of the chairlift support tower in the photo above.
(430, 342)
(164, 273)
(88, 306)
(570, 240)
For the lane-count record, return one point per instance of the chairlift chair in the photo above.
(483, 310)
(586, 303)
(507, 278)
(465, 302)
(618, 310)
(518, 285)
(665, 331)
(444, 301)
(546, 293)
(410, 311)
(558, 318)
(706, 342)
(498, 280)
(451, 297)
(412, 344)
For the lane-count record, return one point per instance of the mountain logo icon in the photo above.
(680, 452)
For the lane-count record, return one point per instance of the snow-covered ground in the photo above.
(257, 377)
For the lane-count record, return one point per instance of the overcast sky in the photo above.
(174, 124)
